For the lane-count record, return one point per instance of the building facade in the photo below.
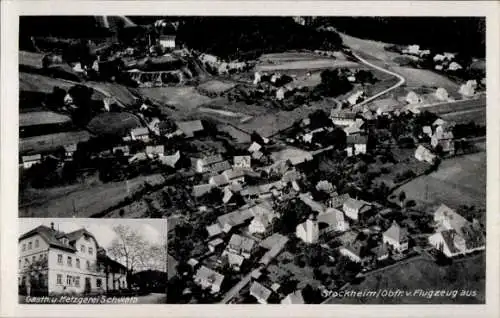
(54, 262)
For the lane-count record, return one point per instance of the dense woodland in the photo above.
(464, 35)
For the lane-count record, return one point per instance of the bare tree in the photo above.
(136, 252)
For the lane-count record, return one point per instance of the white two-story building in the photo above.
(56, 263)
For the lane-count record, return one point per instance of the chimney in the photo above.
(52, 225)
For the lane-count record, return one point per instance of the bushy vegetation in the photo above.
(248, 37)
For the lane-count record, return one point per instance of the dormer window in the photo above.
(82, 248)
(30, 246)
(65, 240)
(24, 247)
(37, 243)
(91, 251)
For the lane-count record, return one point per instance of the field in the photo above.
(42, 118)
(30, 59)
(478, 116)
(113, 123)
(216, 87)
(184, 98)
(421, 77)
(87, 199)
(458, 181)
(123, 94)
(47, 143)
(466, 274)
(45, 84)
(300, 61)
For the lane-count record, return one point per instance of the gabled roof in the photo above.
(396, 232)
(214, 230)
(160, 149)
(234, 259)
(220, 166)
(355, 204)
(357, 139)
(254, 147)
(237, 160)
(51, 236)
(331, 217)
(293, 298)
(36, 157)
(381, 250)
(171, 160)
(140, 131)
(259, 291)
(355, 248)
(201, 189)
(210, 160)
(342, 114)
(210, 275)
(455, 220)
(235, 218)
(189, 128)
(238, 241)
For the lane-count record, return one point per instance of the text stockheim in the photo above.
(396, 293)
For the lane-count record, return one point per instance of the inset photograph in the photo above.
(92, 261)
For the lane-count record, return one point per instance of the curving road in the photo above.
(399, 83)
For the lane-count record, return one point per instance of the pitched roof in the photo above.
(331, 216)
(239, 160)
(339, 200)
(456, 221)
(355, 204)
(213, 230)
(357, 139)
(396, 232)
(201, 189)
(293, 298)
(159, 149)
(52, 237)
(32, 158)
(140, 131)
(234, 259)
(219, 180)
(210, 160)
(220, 166)
(171, 160)
(355, 248)
(216, 241)
(259, 291)
(254, 147)
(257, 155)
(381, 250)
(210, 275)
(241, 242)
(342, 114)
(235, 218)
(189, 128)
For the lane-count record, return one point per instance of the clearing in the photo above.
(52, 142)
(42, 118)
(458, 181)
(421, 273)
(113, 123)
(185, 98)
(86, 199)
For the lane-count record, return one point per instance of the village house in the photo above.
(260, 293)
(396, 237)
(254, 147)
(124, 149)
(140, 133)
(191, 128)
(441, 94)
(69, 151)
(356, 144)
(468, 89)
(167, 41)
(138, 157)
(263, 191)
(386, 106)
(215, 245)
(155, 151)
(338, 201)
(427, 130)
(353, 251)
(454, 234)
(202, 189)
(234, 219)
(413, 98)
(424, 154)
(212, 163)
(242, 162)
(241, 245)
(381, 252)
(308, 231)
(214, 230)
(293, 298)
(170, 160)
(356, 128)
(307, 138)
(454, 66)
(219, 180)
(445, 140)
(262, 222)
(332, 220)
(70, 262)
(342, 117)
(356, 97)
(208, 279)
(356, 210)
(28, 161)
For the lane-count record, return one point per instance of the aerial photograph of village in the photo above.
(298, 160)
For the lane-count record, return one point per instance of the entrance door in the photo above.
(88, 286)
